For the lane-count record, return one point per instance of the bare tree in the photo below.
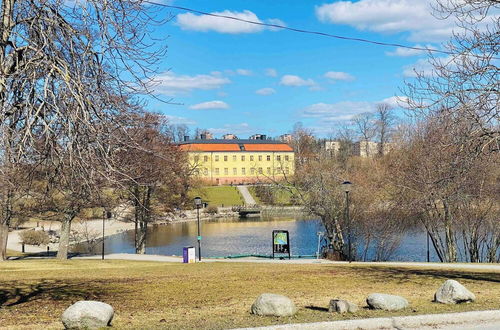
(384, 119)
(155, 172)
(465, 84)
(69, 70)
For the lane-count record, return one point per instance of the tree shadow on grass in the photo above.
(390, 273)
(16, 293)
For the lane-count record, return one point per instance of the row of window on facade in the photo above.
(253, 171)
(252, 158)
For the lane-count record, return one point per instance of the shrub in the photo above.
(34, 237)
(212, 210)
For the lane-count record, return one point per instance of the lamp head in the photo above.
(197, 201)
(347, 186)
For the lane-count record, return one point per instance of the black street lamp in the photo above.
(198, 203)
(347, 188)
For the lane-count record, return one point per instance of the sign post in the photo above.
(281, 242)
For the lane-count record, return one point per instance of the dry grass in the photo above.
(149, 295)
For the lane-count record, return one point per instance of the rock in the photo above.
(452, 292)
(87, 314)
(386, 302)
(273, 305)
(342, 306)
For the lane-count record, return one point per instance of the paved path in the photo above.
(151, 257)
(246, 195)
(449, 321)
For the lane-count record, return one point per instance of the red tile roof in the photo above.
(268, 147)
(256, 147)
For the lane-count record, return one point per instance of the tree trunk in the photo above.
(4, 235)
(62, 253)
(141, 238)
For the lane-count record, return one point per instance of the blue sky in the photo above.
(232, 77)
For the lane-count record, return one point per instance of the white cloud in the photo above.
(242, 128)
(396, 101)
(210, 105)
(425, 68)
(180, 120)
(265, 91)
(389, 16)
(291, 80)
(244, 72)
(346, 110)
(204, 23)
(334, 75)
(406, 52)
(271, 72)
(170, 83)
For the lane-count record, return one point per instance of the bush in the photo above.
(34, 237)
(212, 210)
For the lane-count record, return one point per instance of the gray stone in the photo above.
(386, 302)
(452, 292)
(273, 305)
(342, 306)
(87, 314)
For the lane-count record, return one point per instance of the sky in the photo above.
(234, 77)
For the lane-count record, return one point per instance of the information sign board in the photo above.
(281, 242)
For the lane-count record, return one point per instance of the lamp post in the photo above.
(347, 188)
(198, 203)
(103, 220)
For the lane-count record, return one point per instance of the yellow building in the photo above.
(240, 161)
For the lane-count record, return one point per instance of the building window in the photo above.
(252, 171)
(205, 158)
(278, 158)
(243, 158)
(243, 171)
(287, 171)
(234, 158)
(260, 170)
(268, 170)
(216, 158)
(268, 158)
(216, 171)
(260, 158)
(226, 171)
(196, 159)
(235, 171)
(287, 158)
(225, 158)
(205, 171)
(251, 158)
(278, 170)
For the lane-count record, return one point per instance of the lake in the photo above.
(248, 236)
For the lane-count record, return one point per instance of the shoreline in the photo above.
(115, 226)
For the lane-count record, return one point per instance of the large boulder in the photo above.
(87, 314)
(273, 305)
(452, 292)
(342, 306)
(386, 302)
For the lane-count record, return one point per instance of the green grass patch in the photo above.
(218, 195)
(154, 295)
(281, 197)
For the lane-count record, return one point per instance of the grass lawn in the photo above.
(283, 197)
(218, 195)
(150, 295)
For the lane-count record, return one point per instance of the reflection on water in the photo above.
(248, 236)
(222, 238)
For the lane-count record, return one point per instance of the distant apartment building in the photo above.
(240, 161)
(287, 138)
(333, 147)
(258, 137)
(205, 135)
(229, 137)
(365, 149)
